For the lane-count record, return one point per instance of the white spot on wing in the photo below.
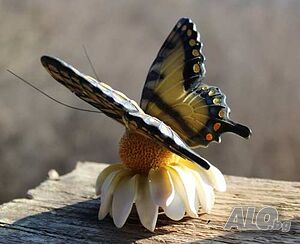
(91, 80)
(130, 105)
(178, 140)
(151, 121)
(165, 130)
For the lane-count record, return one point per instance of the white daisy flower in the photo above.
(152, 177)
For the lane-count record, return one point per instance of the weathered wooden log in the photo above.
(64, 209)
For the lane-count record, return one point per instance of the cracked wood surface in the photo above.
(64, 209)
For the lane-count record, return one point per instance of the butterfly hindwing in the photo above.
(175, 94)
(209, 111)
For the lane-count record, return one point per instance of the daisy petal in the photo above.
(123, 199)
(102, 176)
(161, 186)
(205, 193)
(213, 175)
(176, 209)
(146, 209)
(217, 178)
(186, 187)
(196, 203)
(105, 196)
(107, 190)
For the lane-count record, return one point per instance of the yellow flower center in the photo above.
(141, 153)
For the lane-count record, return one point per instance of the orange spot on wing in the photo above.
(217, 126)
(209, 137)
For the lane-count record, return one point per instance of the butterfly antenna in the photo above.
(90, 62)
(53, 99)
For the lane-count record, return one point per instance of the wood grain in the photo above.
(64, 209)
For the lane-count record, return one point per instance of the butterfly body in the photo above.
(177, 110)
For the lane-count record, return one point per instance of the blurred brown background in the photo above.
(253, 55)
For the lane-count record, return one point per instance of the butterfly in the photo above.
(177, 109)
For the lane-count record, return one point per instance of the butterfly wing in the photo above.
(174, 93)
(111, 102)
(163, 134)
(119, 107)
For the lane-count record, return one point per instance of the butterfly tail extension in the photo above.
(236, 128)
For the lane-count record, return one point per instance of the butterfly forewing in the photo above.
(119, 107)
(98, 94)
(177, 67)
(174, 93)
